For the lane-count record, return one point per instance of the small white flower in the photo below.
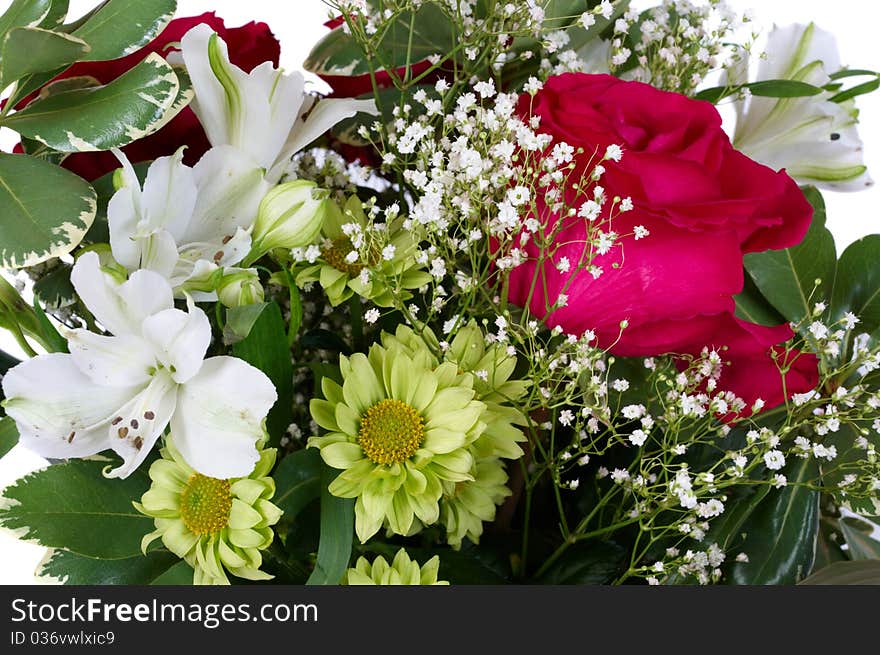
(640, 232)
(638, 437)
(774, 460)
(614, 152)
(371, 315)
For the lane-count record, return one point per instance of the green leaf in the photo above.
(44, 211)
(850, 459)
(181, 574)
(853, 72)
(780, 534)
(727, 529)
(865, 572)
(53, 340)
(586, 563)
(28, 50)
(765, 88)
(24, 13)
(240, 321)
(119, 27)
(754, 307)
(8, 435)
(297, 481)
(73, 506)
(858, 90)
(85, 120)
(73, 569)
(787, 278)
(57, 14)
(857, 287)
(296, 313)
(266, 348)
(55, 290)
(860, 544)
(337, 534)
(339, 54)
(471, 565)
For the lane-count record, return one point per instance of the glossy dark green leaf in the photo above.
(297, 481)
(23, 13)
(780, 534)
(857, 287)
(727, 529)
(8, 435)
(853, 72)
(73, 569)
(865, 572)
(130, 107)
(74, 507)
(787, 278)
(337, 534)
(752, 306)
(181, 574)
(860, 544)
(850, 459)
(586, 563)
(28, 50)
(44, 211)
(266, 348)
(828, 544)
(119, 27)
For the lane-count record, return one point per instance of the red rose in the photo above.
(249, 46)
(704, 205)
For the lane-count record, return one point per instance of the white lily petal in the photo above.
(219, 416)
(124, 361)
(59, 411)
(325, 114)
(231, 185)
(285, 95)
(123, 217)
(169, 194)
(120, 308)
(133, 432)
(179, 339)
(814, 139)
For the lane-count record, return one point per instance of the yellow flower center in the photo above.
(391, 432)
(205, 504)
(336, 253)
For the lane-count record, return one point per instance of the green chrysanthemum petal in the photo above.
(401, 571)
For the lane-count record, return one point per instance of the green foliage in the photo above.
(99, 118)
(787, 278)
(74, 507)
(28, 50)
(857, 287)
(75, 569)
(119, 27)
(265, 347)
(44, 211)
(780, 534)
(297, 482)
(8, 435)
(337, 534)
(866, 572)
(587, 563)
(764, 88)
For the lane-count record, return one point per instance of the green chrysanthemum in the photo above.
(402, 571)
(390, 261)
(466, 505)
(400, 427)
(215, 525)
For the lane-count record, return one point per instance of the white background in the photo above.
(298, 24)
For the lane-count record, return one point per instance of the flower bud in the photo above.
(290, 216)
(240, 286)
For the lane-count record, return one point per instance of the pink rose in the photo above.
(703, 204)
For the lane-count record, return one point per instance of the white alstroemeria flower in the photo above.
(266, 112)
(814, 139)
(185, 222)
(120, 392)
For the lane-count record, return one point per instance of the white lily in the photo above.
(120, 392)
(265, 113)
(186, 222)
(814, 139)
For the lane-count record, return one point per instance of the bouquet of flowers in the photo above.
(506, 306)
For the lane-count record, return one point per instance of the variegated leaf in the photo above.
(28, 50)
(24, 13)
(86, 120)
(119, 27)
(44, 210)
